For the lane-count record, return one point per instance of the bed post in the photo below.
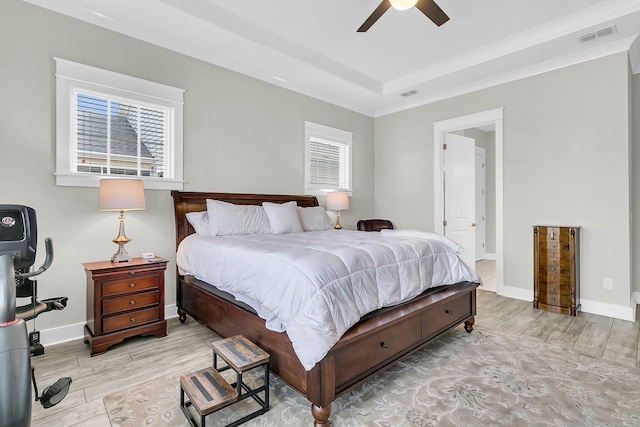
(468, 324)
(320, 415)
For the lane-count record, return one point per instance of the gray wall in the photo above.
(241, 135)
(566, 142)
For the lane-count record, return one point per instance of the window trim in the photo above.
(71, 75)
(336, 136)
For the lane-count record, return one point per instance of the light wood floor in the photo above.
(187, 346)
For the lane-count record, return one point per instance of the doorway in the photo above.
(488, 119)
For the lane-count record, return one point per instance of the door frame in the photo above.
(481, 196)
(441, 127)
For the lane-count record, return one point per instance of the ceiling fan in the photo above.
(428, 7)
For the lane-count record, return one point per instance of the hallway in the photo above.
(486, 268)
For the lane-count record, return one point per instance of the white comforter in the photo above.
(316, 285)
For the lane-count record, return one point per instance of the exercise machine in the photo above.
(18, 241)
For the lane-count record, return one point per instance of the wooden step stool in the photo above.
(242, 355)
(209, 392)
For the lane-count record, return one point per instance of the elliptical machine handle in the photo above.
(48, 260)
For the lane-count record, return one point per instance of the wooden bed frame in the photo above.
(372, 345)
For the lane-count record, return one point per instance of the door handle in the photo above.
(473, 225)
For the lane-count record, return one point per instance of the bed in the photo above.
(377, 341)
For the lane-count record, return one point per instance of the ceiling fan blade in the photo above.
(433, 11)
(380, 10)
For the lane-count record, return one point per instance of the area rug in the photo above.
(480, 379)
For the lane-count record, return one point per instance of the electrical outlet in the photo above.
(607, 283)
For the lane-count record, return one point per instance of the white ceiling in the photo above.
(312, 47)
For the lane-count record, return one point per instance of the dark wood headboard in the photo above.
(192, 201)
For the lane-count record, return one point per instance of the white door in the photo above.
(459, 194)
(481, 197)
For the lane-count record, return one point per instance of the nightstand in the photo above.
(124, 300)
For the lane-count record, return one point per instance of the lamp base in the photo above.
(337, 226)
(121, 255)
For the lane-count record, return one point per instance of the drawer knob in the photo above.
(449, 312)
(132, 302)
(553, 277)
(553, 289)
(553, 269)
(132, 320)
(132, 272)
(384, 344)
(132, 285)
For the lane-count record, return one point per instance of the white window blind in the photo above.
(116, 136)
(328, 168)
(327, 159)
(110, 124)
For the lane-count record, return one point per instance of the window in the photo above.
(109, 124)
(327, 159)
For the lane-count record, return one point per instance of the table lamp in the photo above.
(336, 201)
(121, 195)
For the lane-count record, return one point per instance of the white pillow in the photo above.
(314, 218)
(200, 222)
(283, 217)
(227, 219)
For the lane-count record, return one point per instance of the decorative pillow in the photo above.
(314, 218)
(227, 219)
(283, 217)
(200, 222)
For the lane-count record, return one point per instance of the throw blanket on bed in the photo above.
(316, 285)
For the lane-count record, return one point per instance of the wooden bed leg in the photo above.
(468, 325)
(182, 315)
(321, 415)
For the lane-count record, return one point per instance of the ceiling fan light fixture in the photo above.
(403, 4)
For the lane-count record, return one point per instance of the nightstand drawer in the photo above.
(129, 320)
(130, 302)
(128, 285)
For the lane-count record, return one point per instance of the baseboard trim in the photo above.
(515, 293)
(76, 331)
(609, 310)
(490, 256)
(587, 306)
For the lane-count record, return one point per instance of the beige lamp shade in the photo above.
(121, 195)
(337, 200)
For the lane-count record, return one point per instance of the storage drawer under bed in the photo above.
(397, 339)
